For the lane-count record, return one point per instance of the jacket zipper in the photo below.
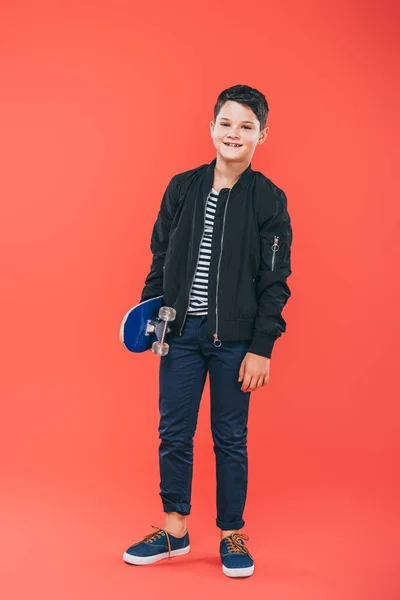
(274, 249)
(216, 339)
(198, 257)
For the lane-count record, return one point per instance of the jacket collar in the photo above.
(243, 180)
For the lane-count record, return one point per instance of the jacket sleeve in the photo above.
(272, 289)
(159, 241)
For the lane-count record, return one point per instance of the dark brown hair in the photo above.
(248, 96)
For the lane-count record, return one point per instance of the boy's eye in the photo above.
(245, 126)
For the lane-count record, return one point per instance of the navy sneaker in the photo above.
(156, 546)
(236, 558)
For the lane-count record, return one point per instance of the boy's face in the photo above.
(237, 124)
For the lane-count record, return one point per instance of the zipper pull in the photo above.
(275, 244)
(217, 342)
(274, 248)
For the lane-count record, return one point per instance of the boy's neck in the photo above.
(227, 173)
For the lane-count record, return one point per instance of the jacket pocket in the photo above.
(166, 260)
(249, 302)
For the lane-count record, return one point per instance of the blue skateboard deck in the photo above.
(141, 326)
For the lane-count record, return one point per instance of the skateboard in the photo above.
(145, 326)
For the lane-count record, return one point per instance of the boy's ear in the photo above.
(263, 135)
(212, 126)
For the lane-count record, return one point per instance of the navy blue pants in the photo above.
(182, 377)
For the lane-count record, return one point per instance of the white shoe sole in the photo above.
(246, 572)
(148, 560)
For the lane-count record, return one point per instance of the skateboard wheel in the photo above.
(159, 348)
(166, 313)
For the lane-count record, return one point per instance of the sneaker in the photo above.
(156, 546)
(236, 559)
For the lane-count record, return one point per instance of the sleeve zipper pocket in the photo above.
(274, 249)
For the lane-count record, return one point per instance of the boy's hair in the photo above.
(245, 95)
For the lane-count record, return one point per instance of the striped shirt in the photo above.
(198, 299)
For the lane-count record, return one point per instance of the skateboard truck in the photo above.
(159, 326)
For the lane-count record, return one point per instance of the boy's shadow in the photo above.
(193, 561)
(272, 571)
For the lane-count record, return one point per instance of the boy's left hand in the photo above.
(254, 372)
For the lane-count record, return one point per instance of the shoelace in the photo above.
(159, 532)
(235, 545)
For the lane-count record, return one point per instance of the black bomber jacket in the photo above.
(250, 255)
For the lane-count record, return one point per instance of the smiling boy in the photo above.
(221, 249)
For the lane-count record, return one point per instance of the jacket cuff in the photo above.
(262, 345)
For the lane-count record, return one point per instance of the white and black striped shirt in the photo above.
(198, 300)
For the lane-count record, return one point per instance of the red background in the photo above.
(101, 103)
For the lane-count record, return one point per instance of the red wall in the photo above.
(100, 104)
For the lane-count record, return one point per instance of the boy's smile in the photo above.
(236, 133)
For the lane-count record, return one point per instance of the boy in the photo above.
(221, 256)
